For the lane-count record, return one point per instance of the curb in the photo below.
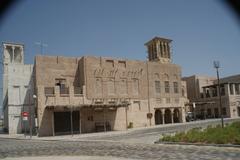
(198, 144)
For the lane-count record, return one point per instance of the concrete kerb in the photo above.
(198, 144)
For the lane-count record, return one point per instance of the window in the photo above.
(111, 87)
(157, 87)
(62, 84)
(158, 100)
(207, 93)
(167, 87)
(176, 100)
(201, 95)
(98, 86)
(168, 100)
(214, 92)
(122, 64)
(237, 91)
(222, 90)
(137, 103)
(224, 111)
(122, 87)
(209, 111)
(110, 63)
(175, 86)
(231, 89)
(16, 95)
(183, 92)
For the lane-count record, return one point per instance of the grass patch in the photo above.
(211, 135)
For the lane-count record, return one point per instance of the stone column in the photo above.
(169, 52)
(172, 115)
(233, 89)
(158, 47)
(227, 90)
(204, 93)
(162, 49)
(22, 55)
(53, 127)
(163, 114)
(204, 110)
(13, 49)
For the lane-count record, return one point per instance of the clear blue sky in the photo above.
(201, 30)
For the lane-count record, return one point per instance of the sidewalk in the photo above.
(146, 131)
(85, 136)
(75, 137)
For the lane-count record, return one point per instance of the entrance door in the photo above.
(216, 112)
(62, 122)
(158, 117)
(76, 123)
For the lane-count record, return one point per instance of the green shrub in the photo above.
(216, 135)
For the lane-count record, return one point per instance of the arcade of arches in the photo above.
(164, 116)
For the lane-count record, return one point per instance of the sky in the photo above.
(202, 31)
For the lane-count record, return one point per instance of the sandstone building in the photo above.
(17, 88)
(91, 94)
(203, 91)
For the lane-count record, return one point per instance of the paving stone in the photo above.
(16, 148)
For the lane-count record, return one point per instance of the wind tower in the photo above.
(159, 50)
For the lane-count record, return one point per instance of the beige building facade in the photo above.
(91, 94)
(203, 92)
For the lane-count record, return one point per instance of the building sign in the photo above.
(25, 116)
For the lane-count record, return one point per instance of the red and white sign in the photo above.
(25, 116)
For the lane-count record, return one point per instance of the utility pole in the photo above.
(216, 65)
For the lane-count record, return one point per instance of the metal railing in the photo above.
(49, 90)
(78, 90)
(64, 90)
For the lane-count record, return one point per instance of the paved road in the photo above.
(152, 134)
(134, 144)
(16, 148)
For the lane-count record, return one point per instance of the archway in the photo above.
(167, 116)
(158, 117)
(216, 114)
(176, 115)
(238, 110)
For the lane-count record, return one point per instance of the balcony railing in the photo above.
(64, 91)
(49, 91)
(78, 90)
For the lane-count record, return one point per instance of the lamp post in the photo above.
(216, 65)
(41, 45)
(35, 109)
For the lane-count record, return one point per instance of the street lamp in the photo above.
(35, 119)
(216, 65)
(41, 45)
